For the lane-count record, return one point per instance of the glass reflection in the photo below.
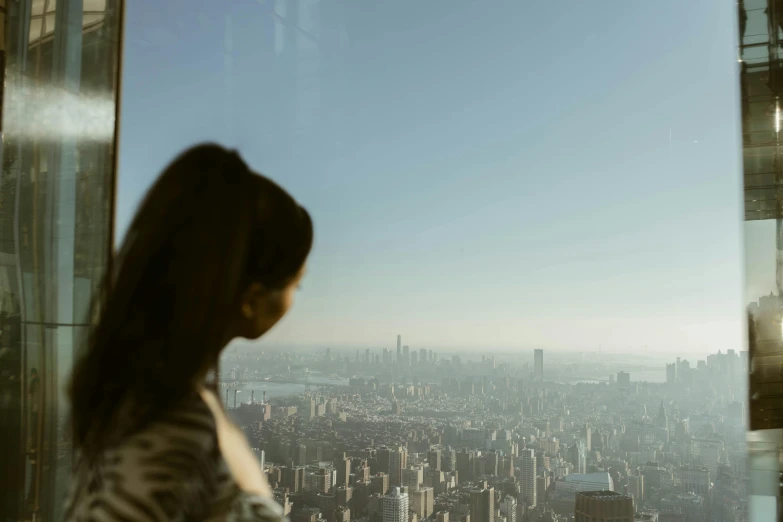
(60, 61)
(761, 87)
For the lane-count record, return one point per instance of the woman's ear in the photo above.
(252, 300)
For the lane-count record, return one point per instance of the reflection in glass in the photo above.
(761, 50)
(60, 61)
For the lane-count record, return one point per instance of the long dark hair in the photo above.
(206, 229)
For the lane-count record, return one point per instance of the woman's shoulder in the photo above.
(176, 454)
(189, 423)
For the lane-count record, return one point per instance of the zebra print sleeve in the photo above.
(165, 473)
(253, 508)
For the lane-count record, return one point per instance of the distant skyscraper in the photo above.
(671, 373)
(636, 487)
(624, 380)
(433, 458)
(343, 471)
(406, 356)
(394, 506)
(663, 419)
(538, 364)
(464, 465)
(399, 348)
(577, 457)
(380, 483)
(412, 478)
(482, 505)
(587, 437)
(382, 460)
(293, 478)
(527, 476)
(603, 505)
(509, 508)
(398, 461)
(422, 501)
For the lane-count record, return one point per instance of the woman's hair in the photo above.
(207, 229)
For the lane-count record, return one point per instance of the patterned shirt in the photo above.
(170, 471)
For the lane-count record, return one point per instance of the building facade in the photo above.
(482, 505)
(538, 365)
(599, 506)
(395, 506)
(527, 478)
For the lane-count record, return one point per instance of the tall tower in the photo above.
(395, 506)
(343, 465)
(527, 477)
(399, 349)
(433, 458)
(398, 461)
(509, 508)
(482, 505)
(587, 437)
(663, 419)
(538, 364)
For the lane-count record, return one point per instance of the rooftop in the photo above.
(602, 494)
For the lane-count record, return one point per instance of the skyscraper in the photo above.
(433, 458)
(422, 501)
(399, 349)
(398, 461)
(624, 380)
(577, 457)
(482, 505)
(527, 478)
(587, 437)
(464, 464)
(509, 508)
(343, 465)
(382, 460)
(671, 374)
(394, 506)
(663, 419)
(380, 483)
(538, 365)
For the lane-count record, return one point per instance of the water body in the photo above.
(652, 376)
(277, 389)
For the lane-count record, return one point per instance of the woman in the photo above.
(214, 252)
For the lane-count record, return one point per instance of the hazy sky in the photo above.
(504, 174)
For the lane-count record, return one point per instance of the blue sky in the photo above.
(482, 175)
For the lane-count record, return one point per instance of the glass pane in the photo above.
(761, 120)
(528, 265)
(60, 66)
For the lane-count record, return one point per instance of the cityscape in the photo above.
(404, 434)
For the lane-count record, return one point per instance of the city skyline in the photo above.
(523, 204)
(490, 442)
(644, 353)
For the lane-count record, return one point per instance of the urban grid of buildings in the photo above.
(405, 435)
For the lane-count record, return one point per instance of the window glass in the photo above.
(59, 61)
(527, 276)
